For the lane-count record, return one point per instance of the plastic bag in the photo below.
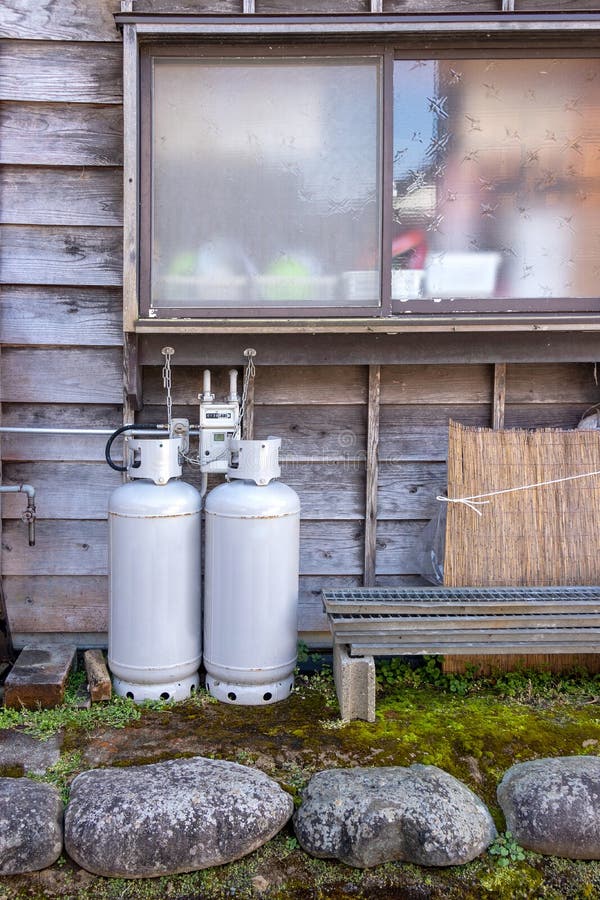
(433, 546)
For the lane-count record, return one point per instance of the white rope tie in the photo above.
(476, 500)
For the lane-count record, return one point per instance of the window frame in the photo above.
(520, 36)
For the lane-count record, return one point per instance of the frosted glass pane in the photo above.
(496, 179)
(265, 182)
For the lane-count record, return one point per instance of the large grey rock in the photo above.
(369, 816)
(553, 805)
(28, 754)
(31, 826)
(175, 816)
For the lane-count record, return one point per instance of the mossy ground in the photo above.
(474, 728)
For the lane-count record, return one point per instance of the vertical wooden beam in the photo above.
(248, 7)
(376, 6)
(132, 372)
(130, 177)
(7, 653)
(372, 464)
(499, 398)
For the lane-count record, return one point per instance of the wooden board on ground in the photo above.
(99, 682)
(39, 677)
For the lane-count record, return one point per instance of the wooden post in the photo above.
(499, 396)
(132, 373)
(248, 7)
(7, 653)
(130, 177)
(372, 473)
(376, 6)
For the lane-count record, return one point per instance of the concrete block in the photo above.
(39, 677)
(354, 683)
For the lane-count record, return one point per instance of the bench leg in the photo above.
(354, 683)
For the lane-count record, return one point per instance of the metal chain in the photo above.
(168, 352)
(249, 373)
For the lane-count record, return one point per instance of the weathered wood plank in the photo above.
(62, 376)
(436, 384)
(55, 196)
(412, 432)
(326, 491)
(61, 316)
(307, 386)
(39, 677)
(37, 603)
(558, 415)
(331, 548)
(367, 345)
(61, 134)
(499, 396)
(60, 447)
(63, 490)
(372, 473)
(542, 384)
(60, 255)
(76, 20)
(62, 548)
(318, 432)
(80, 548)
(408, 490)
(46, 71)
(399, 545)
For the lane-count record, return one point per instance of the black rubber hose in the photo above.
(113, 438)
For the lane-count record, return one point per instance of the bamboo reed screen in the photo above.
(542, 536)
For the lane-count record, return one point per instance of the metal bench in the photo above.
(369, 622)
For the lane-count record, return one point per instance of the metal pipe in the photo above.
(29, 514)
(233, 379)
(140, 432)
(207, 393)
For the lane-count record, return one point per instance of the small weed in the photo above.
(291, 843)
(42, 723)
(62, 772)
(506, 850)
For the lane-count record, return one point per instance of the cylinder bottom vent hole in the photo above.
(165, 695)
(232, 696)
(129, 695)
(267, 696)
(192, 690)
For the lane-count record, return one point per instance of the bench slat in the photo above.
(399, 608)
(475, 648)
(340, 626)
(500, 636)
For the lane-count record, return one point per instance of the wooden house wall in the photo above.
(61, 337)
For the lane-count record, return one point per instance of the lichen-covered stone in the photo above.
(31, 827)
(365, 817)
(552, 806)
(175, 816)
